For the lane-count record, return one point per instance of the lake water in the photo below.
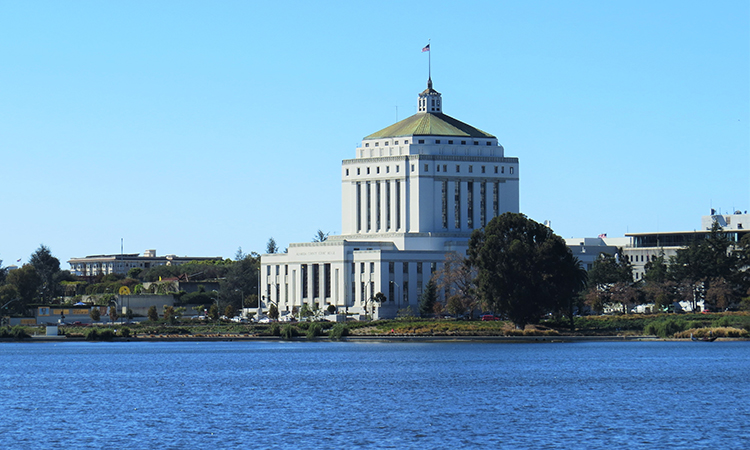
(200, 395)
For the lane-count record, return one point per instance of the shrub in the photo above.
(274, 330)
(338, 331)
(304, 325)
(314, 331)
(667, 328)
(96, 334)
(17, 332)
(289, 331)
(125, 332)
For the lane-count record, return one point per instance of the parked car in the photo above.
(489, 318)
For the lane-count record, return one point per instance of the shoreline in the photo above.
(374, 338)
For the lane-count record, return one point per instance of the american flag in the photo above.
(426, 48)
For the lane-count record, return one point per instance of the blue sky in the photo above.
(195, 128)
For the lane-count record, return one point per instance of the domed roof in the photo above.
(430, 124)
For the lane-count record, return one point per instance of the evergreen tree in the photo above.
(428, 299)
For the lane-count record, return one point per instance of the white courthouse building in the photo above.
(413, 192)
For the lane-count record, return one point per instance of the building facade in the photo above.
(94, 265)
(413, 193)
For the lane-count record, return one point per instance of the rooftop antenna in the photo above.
(121, 246)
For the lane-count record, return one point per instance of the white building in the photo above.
(413, 192)
(120, 264)
(646, 247)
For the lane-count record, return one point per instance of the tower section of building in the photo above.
(428, 175)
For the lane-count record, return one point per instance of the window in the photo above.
(495, 199)
(489, 143)
(357, 170)
(438, 167)
(367, 144)
(395, 142)
(359, 206)
(354, 267)
(450, 142)
(398, 204)
(426, 168)
(372, 267)
(385, 143)
(278, 269)
(457, 204)
(502, 169)
(388, 204)
(377, 170)
(470, 204)
(445, 167)
(471, 169)
(444, 203)
(361, 267)
(387, 169)
(406, 141)
(511, 170)
(475, 143)
(377, 144)
(482, 169)
(458, 168)
(347, 172)
(397, 168)
(463, 142)
(495, 169)
(437, 141)
(419, 268)
(391, 267)
(368, 171)
(369, 207)
(421, 141)
(377, 205)
(268, 271)
(412, 167)
(286, 270)
(482, 204)
(406, 268)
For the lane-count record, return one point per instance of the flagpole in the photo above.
(429, 60)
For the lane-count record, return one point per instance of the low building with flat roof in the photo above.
(94, 265)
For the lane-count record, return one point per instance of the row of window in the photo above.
(432, 141)
(444, 167)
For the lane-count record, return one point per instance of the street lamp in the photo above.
(397, 297)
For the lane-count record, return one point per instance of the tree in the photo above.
(152, 314)
(608, 272)
(273, 312)
(135, 272)
(113, 316)
(576, 282)
(320, 236)
(456, 279)
(521, 267)
(47, 266)
(26, 281)
(229, 311)
(213, 312)
(3, 272)
(95, 314)
(241, 280)
(428, 299)
(706, 261)
(271, 246)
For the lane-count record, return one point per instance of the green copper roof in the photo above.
(429, 124)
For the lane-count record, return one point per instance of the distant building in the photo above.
(641, 248)
(646, 247)
(95, 265)
(414, 192)
(588, 249)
